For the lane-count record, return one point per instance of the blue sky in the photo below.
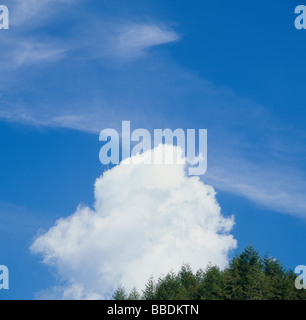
(72, 68)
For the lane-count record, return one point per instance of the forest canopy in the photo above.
(248, 277)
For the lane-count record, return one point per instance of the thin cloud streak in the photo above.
(132, 40)
(36, 12)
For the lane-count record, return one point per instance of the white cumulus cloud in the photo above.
(147, 219)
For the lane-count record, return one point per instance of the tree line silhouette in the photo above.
(248, 277)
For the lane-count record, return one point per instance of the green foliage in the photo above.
(248, 277)
(210, 284)
(245, 279)
(149, 293)
(120, 294)
(169, 287)
(134, 295)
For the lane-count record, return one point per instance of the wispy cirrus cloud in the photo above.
(36, 12)
(161, 96)
(133, 39)
(29, 52)
(83, 87)
(271, 185)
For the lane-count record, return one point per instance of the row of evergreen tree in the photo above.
(248, 277)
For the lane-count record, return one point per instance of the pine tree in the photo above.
(168, 287)
(149, 291)
(134, 295)
(120, 294)
(211, 285)
(188, 288)
(245, 279)
(276, 279)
